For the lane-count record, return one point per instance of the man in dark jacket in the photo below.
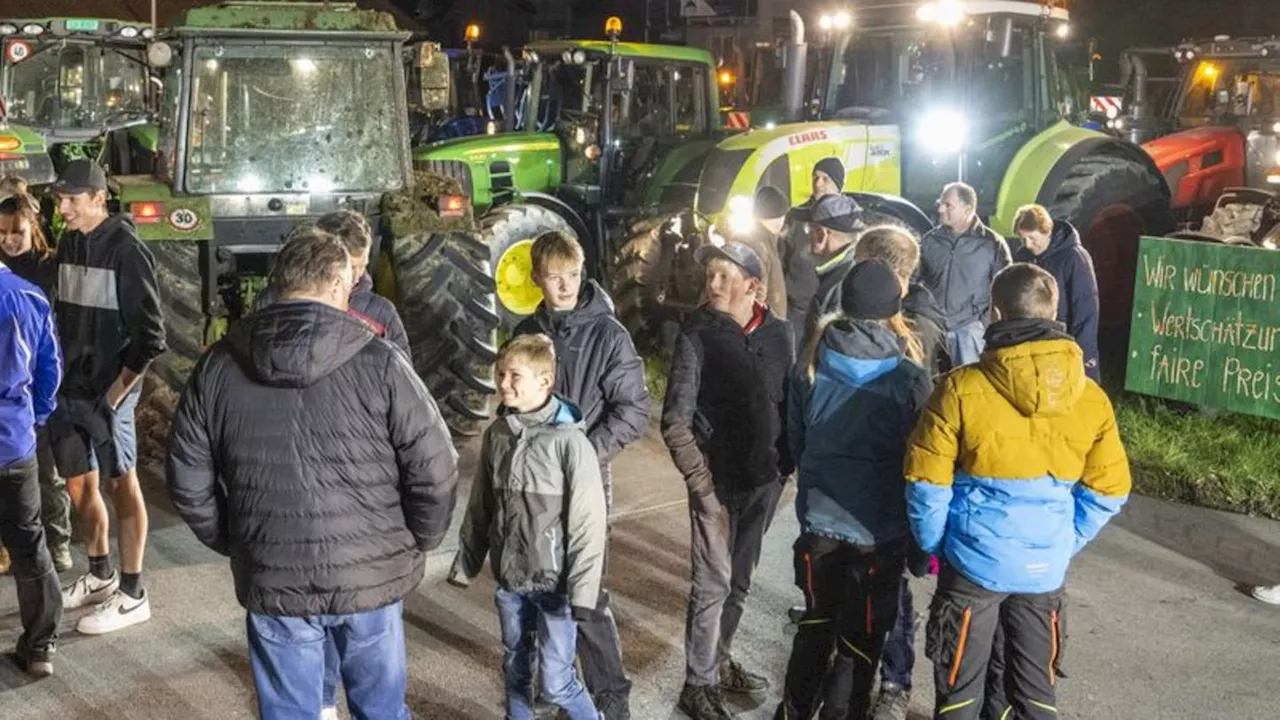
(354, 232)
(958, 260)
(1055, 246)
(30, 369)
(723, 421)
(307, 450)
(793, 246)
(597, 369)
(111, 328)
(834, 227)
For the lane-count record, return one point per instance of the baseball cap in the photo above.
(736, 253)
(81, 176)
(836, 212)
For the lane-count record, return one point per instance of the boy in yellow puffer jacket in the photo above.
(1015, 465)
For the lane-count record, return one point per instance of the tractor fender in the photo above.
(898, 207)
(1041, 166)
(564, 210)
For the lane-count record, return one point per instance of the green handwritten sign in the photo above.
(1206, 325)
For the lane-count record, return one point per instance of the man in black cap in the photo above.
(723, 420)
(111, 328)
(793, 245)
(828, 177)
(833, 229)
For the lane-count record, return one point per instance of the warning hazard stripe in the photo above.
(737, 120)
(1101, 103)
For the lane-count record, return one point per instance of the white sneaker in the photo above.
(118, 612)
(89, 590)
(329, 713)
(1269, 595)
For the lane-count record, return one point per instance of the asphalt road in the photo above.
(1159, 626)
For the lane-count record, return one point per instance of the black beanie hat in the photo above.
(871, 291)
(833, 168)
(770, 203)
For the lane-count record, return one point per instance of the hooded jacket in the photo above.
(30, 366)
(1016, 463)
(365, 304)
(308, 450)
(724, 416)
(1070, 264)
(108, 307)
(597, 369)
(848, 430)
(958, 270)
(537, 507)
(826, 299)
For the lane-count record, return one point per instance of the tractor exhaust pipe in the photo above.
(1138, 110)
(509, 92)
(793, 73)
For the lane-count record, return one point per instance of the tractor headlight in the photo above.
(742, 216)
(943, 131)
(1112, 112)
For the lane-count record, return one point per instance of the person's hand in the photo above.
(456, 576)
(702, 497)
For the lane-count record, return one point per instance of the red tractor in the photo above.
(1221, 156)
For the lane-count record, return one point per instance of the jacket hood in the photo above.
(856, 352)
(1035, 366)
(556, 413)
(109, 226)
(920, 302)
(1063, 239)
(593, 302)
(295, 343)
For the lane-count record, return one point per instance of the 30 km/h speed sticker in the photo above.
(17, 51)
(184, 220)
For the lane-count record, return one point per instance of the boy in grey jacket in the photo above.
(537, 505)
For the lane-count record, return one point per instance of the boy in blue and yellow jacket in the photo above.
(1016, 464)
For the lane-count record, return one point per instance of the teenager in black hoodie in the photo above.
(111, 328)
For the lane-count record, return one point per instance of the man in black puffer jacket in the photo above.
(307, 450)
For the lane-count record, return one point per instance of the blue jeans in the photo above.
(287, 656)
(965, 343)
(540, 622)
(899, 656)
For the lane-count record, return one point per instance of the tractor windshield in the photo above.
(71, 85)
(305, 119)
(1230, 90)
(572, 91)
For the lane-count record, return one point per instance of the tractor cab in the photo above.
(79, 87)
(968, 83)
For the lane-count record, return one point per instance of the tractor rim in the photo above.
(513, 279)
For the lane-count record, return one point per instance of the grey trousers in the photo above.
(727, 536)
(55, 505)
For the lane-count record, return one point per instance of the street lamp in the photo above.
(840, 20)
(947, 13)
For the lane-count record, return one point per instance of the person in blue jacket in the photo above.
(853, 401)
(30, 371)
(1055, 246)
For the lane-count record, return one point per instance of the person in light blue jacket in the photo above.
(30, 371)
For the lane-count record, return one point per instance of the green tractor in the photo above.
(75, 87)
(911, 97)
(273, 114)
(611, 135)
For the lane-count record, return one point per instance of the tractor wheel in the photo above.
(509, 231)
(177, 266)
(654, 282)
(1112, 201)
(445, 295)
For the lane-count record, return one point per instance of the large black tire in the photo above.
(1113, 200)
(178, 277)
(503, 228)
(655, 281)
(444, 292)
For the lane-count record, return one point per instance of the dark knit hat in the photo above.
(771, 204)
(833, 168)
(871, 291)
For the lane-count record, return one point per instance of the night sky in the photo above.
(1116, 24)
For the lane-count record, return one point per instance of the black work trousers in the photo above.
(964, 621)
(851, 604)
(39, 597)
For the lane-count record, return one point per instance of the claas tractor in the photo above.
(71, 88)
(273, 114)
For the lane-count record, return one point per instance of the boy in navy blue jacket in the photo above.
(30, 370)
